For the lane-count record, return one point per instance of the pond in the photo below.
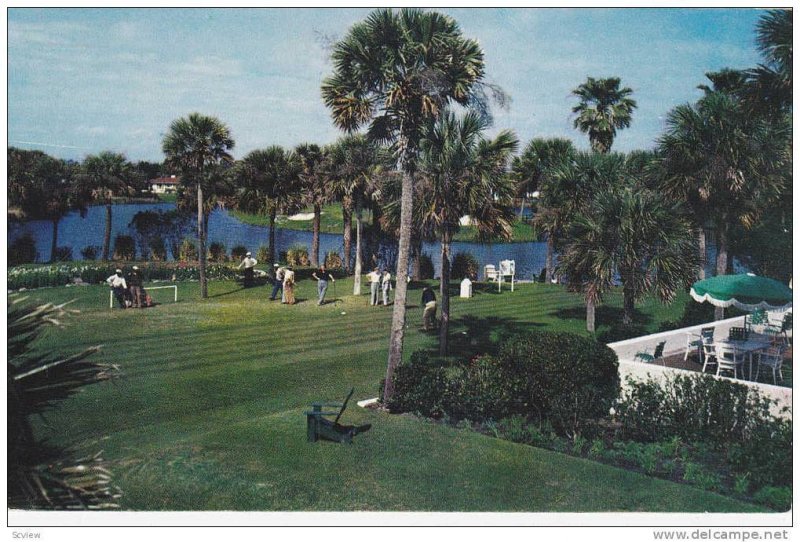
(78, 233)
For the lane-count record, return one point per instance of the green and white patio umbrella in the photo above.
(747, 292)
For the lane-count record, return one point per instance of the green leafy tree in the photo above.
(395, 71)
(42, 475)
(532, 171)
(42, 187)
(268, 183)
(315, 187)
(770, 84)
(462, 172)
(633, 234)
(603, 108)
(357, 168)
(105, 175)
(196, 145)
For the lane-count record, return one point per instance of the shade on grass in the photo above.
(209, 413)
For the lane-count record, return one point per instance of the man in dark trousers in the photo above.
(322, 277)
(249, 264)
(135, 281)
(278, 282)
(119, 287)
(429, 309)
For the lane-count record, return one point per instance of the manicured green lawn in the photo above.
(209, 412)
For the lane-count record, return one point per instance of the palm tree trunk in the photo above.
(590, 316)
(359, 229)
(315, 235)
(548, 259)
(627, 300)
(347, 232)
(273, 214)
(521, 208)
(54, 244)
(399, 308)
(201, 237)
(722, 264)
(416, 264)
(701, 248)
(107, 236)
(444, 293)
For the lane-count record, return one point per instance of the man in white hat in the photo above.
(278, 282)
(119, 287)
(249, 264)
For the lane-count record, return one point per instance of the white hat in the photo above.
(248, 254)
(119, 271)
(275, 265)
(136, 267)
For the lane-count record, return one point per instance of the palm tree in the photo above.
(195, 145)
(603, 109)
(395, 71)
(107, 174)
(532, 171)
(41, 475)
(357, 167)
(717, 152)
(632, 233)
(315, 188)
(269, 183)
(464, 173)
(770, 84)
(571, 187)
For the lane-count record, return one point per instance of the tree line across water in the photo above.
(722, 165)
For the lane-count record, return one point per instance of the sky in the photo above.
(81, 81)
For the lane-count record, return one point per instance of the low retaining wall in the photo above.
(676, 344)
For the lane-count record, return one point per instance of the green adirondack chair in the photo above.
(319, 427)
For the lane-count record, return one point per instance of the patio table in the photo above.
(749, 347)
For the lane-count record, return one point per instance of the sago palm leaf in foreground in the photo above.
(42, 476)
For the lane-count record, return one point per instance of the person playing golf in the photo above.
(277, 282)
(322, 277)
(386, 286)
(135, 281)
(119, 287)
(374, 282)
(249, 264)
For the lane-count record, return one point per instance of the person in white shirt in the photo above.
(386, 285)
(249, 264)
(288, 286)
(374, 281)
(119, 287)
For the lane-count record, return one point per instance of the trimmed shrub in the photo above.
(262, 254)
(187, 252)
(91, 252)
(22, 250)
(124, 248)
(64, 254)
(557, 378)
(158, 250)
(420, 387)
(464, 265)
(732, 419)
(217, 252)
(238, 253)
(425, 267)
(779, 498)
(333, 260)
(297, 255)
(562, 377)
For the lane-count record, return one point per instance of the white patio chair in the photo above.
(709, 355)
(772, 358)
(729, 358)
(490, 273)
(695, 341)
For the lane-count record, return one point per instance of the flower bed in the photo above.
(95, 273)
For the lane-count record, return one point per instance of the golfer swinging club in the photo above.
(322, 277)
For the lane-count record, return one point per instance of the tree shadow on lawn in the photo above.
(473, 335)
(608, 323)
